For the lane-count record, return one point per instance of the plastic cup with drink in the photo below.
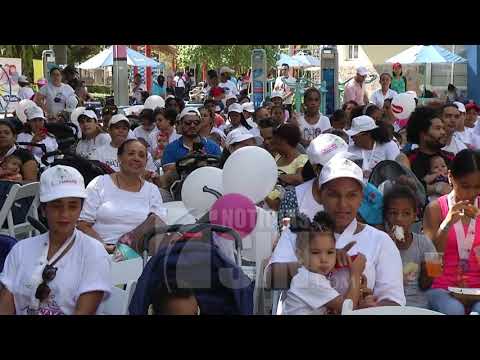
(434, 264)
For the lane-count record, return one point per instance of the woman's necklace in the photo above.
(126, 187)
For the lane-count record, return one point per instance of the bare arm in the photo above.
(7, 303)
(87, 304)
(431, 226)
(39, 99)
(353, 294)
(403, 159)
(87, 228)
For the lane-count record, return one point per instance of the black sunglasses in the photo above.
(43, 290)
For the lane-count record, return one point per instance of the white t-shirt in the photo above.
(469, 138)
(25, 93)
(385, 151)
(86, 148)
(62, 93)
(309, 131)
(152, 139)
(378, 98)
(306, 202)
(108, 155)
(179, 82)
(456, 145)
(115, 212)
(383, 269)
(84, 268)
(308, 292)
(229, 87)
(141, 133)
(50, 143)
(284, 88)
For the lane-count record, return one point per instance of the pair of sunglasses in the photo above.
(43, 290)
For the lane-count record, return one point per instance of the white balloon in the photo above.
(20, 108)
(250, 171)
(403, 105)
(153, 102)
(194, 197)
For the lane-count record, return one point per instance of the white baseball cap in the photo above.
(238, 135)
(248, 107)
(118, 118)
(189, 111)
(60, 182)
(34, 112)
(88, 113)
(23, 79)
(71, 104)
(362, 71)
(276, 94)
(235, 108)
(340, 167)
(460, 107)
(324, 147)
(361, 124)
(226, 69)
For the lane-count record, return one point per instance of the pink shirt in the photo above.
(355, 92)
(451, 257)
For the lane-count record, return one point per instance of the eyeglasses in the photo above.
(189, 123)
(43, 290)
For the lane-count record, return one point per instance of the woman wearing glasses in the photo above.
(61, 272)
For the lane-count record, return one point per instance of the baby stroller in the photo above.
(188, 164)
(65, 134)
(219, 284)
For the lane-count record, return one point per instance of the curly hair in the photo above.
(420, 121)
(305, 228)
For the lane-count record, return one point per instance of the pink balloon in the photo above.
(234, 211)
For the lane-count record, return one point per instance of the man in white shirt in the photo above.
(225, 82)
(179, 85)
(464, 133)
(384, 92)
(280, 86)
(451, 117)
(25, 91)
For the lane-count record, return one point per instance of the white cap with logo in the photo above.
(324, 147)
(460, 107)
(235, 108)
(118, 118)
(361, 124)
(88, 113)
(340, 167)
(238, 135)
(248, 107)
(34, 112)
(189, 111)
(362, 71)
(60, 182)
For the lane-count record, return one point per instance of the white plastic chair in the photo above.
(18, 192)
(125, 271)
(347, 309)
(118, 301)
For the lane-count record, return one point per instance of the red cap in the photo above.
(397, 65)
(472, 105)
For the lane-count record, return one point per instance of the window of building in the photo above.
(352, 52)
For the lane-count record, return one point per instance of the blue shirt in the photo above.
(158, 90)
(177, 150)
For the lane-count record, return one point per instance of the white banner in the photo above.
(9, 72)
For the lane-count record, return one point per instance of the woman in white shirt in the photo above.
(119, 127)
(384, 92)
(93, 136)
(52, 98)
(36, 133)
(371, 143)
(118, 203)
(341, 193)
(312, 123)
(61, 272)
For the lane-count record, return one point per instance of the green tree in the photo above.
(237, 57)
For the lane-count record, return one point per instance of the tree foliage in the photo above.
(237, 57)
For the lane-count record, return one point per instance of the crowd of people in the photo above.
(340, 235)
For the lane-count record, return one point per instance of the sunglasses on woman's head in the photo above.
(48, 274)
